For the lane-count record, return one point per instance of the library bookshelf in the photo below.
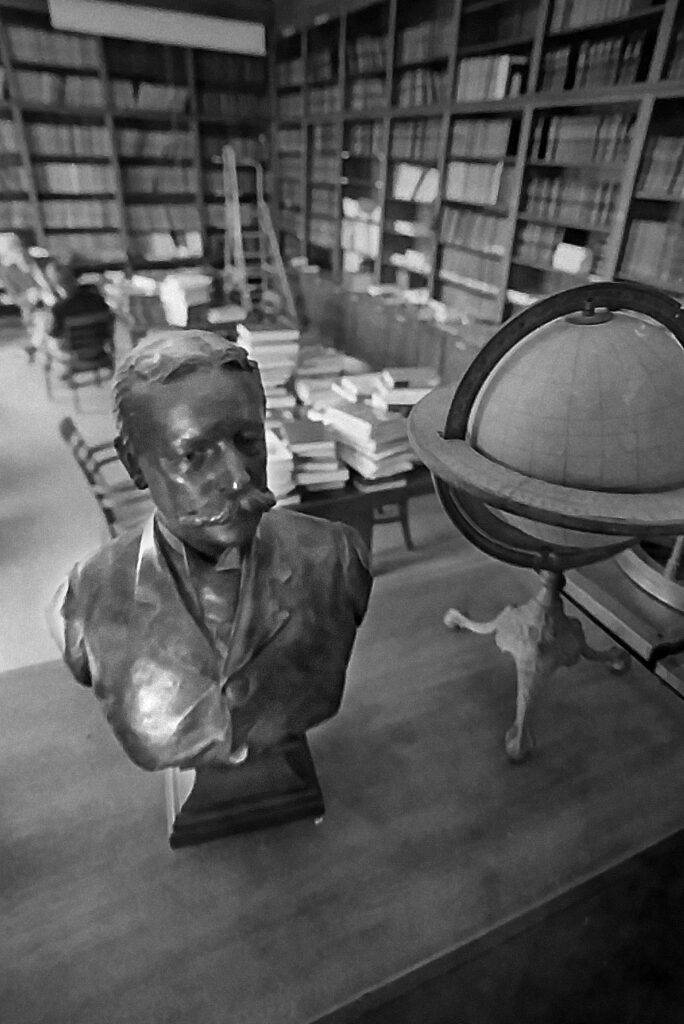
(110, 150)
(489, 151)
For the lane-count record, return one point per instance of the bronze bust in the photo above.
(217, 635)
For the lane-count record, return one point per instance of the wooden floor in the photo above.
(431, 842)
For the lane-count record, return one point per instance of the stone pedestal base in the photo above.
(272, 788)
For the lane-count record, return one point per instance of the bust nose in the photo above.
(231, 474)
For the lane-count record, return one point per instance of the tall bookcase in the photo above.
(490, 151)
(110, 150)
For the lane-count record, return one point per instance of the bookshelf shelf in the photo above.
(495, 46)
(91, 230)
(470, 284)
(657, 197)
(489, 253)
(559, 223)
(615, 25)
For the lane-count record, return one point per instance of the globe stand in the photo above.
(541, 639)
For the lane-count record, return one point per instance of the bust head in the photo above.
(190, 414)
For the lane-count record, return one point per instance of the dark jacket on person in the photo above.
(85, 299)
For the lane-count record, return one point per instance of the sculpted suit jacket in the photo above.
(166, 691)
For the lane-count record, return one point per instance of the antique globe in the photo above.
(562, 445)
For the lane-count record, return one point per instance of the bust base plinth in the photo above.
(271, 788)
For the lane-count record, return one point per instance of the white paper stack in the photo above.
(372, 442)
(402, 387)
(317, 466)
(275, 349)
(179, 292)
(318, 368)
(280, 470)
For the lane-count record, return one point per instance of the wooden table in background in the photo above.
(444, 884)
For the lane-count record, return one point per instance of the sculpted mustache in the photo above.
(249, 501)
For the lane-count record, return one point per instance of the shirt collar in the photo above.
(230, 559)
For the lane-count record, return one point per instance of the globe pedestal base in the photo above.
(541, 639)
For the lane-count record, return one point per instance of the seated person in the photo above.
(81, 298)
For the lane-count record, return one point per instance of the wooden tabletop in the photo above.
(431, 839)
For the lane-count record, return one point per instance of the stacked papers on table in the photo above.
(370, 441)
(280, 469)
(275, 350)
(316, 464)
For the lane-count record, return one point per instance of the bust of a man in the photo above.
(221, 631)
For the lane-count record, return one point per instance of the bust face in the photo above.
(199, 441)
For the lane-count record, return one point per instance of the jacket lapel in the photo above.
(262, 607)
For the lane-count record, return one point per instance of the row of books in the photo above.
(8, 137)
(14, 215)
(325, 168)
(472, 268)
(41, 46)
(290, 72)
(416, 184)
(79, 213)
(324, 138)
(46, 87)
(216, 215)
(490, 78)
(421, 87)
(479, 231)
(67, 139)
(246, 148)
(416, 261)
(324, 99)
(289, 140)
(479, 184)
(322, 65)
(217, 68)
(366, 54)
(365, 93)
(587, 204)
(166, 145)
(233, 105)
(662, 167)
(162, 246)
(416, 140)
(578, 13)
(536, 243)
(361, 237)
(148, 217)
(582, 138)
(290, 220)
(76, 178)
(605, 62)
(213, 181)
(654, 250)
(322, 233)
(159, 179)
(290, 194)
(467, 304)
(146, 96)
(291, 167)
(290, 106)
(427, 41)
(96, 249)
(364, 209)
(12, 179)
(366, 139)
(481, 136)
(510, 21)
(323, 202)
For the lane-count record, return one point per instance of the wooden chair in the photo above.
(121, 503)
(85, 350)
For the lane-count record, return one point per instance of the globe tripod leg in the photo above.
(618, 659)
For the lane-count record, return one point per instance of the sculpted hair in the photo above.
(160, 360)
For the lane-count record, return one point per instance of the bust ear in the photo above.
(130, 463)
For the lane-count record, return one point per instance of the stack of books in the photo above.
(491, 77)
(275, 349)
(371, 442)
(357, 387)
(316, 465)
(280, 470)
(318, 368)
(401, 387)
(416, 140)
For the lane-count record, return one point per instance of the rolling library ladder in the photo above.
(252, 260)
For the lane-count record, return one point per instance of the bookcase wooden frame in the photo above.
(107, 117)
(641, 96)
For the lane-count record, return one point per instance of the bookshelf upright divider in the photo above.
(113, 147)
(190, 68)
(385, 166)
(305, 147)
(20, 132)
